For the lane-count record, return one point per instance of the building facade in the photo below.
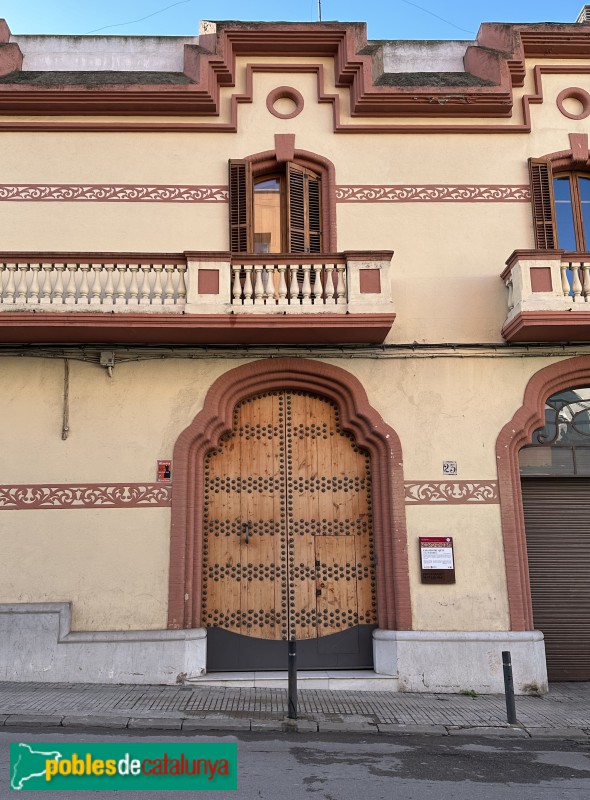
(295, 344)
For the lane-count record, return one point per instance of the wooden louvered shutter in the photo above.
(543, 204)
(240, 206)
(303, 210)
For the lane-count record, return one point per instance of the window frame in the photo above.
(543, 172)
(243, 173)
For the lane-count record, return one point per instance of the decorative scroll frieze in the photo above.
(451, 492)
(432, 194)
(88, 495)
(105, 193)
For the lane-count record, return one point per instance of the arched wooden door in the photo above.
(288, 546)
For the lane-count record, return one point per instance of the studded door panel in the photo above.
(287, 523)
(332, 579)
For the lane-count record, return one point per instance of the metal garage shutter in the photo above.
(557, 522)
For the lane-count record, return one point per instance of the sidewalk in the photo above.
(563, 713)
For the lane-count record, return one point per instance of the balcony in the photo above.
(195, 298)
(548, 296)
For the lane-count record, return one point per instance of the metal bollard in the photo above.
(509, 687)
(292, 661)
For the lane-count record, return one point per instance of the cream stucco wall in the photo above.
(113, 564)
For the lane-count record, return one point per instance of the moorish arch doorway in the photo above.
(287, 520)
(288, 538)
(543, 471)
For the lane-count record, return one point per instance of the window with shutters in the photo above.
(561, 207)
(275, 212)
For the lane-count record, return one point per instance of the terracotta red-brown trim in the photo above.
(358, 417)
(575, 93)
(514, 435)
(112, 193)
(27, 496)
(433, 193)
(285, 93)
(451, 492)
(548, 326)
(62, 327)
(322, 166)
(344, 42)
(366, 193)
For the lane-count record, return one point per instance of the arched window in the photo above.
(276, 208)
(560, 190)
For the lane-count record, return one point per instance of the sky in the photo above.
(386, 19)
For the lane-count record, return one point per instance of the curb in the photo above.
(221, 725)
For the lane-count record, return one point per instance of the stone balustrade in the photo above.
(93, 285)
(317, 285)
(548, 296)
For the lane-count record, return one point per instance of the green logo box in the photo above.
(56, 766)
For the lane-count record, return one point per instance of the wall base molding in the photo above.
(457, 661)
(39, 645)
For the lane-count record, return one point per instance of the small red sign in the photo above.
(164, 471)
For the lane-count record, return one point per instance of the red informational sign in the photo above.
(437, 559)
(164, 471)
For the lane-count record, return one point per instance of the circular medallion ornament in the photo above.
(284, 102)
(574, 103)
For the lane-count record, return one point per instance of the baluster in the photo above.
(586, 281)
(282, 268)
(133, 285)
(306, 287)
(318, 289)
(258, 285)
(21, 294)
(144, 299)
(58, 289)
(83, 299)
(237, 286)
(158, 284)
(248, 285)
(34, 293)
(576, 282)
(109, 289)
(96, 287)
(10, 284)
(121, 293)
(181, 284)
(70, 297)
(269, 294)
(341, 285)
(46, 270)
(565, 284)
(169, 298)
(510, 288)
(294, 287)
(329, 291)
(2, 280)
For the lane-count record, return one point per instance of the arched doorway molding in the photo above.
(358, 417)
(514, 435)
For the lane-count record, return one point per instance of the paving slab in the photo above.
(38, 720)
(576, 734)
(215, 724)
(398, 728)
(155, 723)
(94, 721)
(490, 730)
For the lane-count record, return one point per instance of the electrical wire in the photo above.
(141, 19)
(442, 19)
